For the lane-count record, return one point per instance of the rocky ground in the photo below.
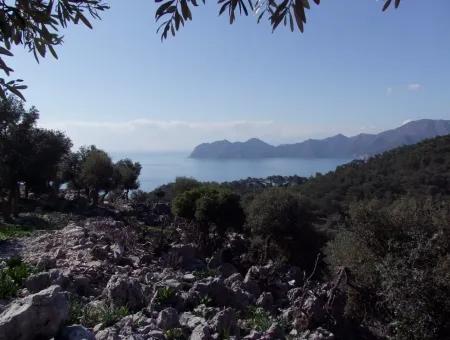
(102, 279)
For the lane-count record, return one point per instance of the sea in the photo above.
(160, 168)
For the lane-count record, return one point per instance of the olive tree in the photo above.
(210, 208)
(283, 219)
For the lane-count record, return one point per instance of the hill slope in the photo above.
(417, 170)
(338, 146)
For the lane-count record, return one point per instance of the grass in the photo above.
(164, 295)
(10, 231)
(174, 334)
(89, 316)
(12, 277)
(258, 318)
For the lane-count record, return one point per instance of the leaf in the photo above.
(185, 10)
(386, 5)
(5, 51)
(84, 20)
(161, 9)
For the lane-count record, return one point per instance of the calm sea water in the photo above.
(162, 168)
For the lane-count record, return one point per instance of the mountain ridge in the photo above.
(337, 146)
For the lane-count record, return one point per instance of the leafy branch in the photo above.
(290, 13)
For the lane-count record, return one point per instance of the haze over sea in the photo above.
(163, 167)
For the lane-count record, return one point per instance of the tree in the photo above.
(397, 256)
(284, 219)
(96, 173)
(175, 13)
(209, 207)
(41, 163)
(36, 24)
(28, 154)
(126, 174)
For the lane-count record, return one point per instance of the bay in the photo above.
(163, 167)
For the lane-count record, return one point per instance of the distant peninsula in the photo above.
(338, 146)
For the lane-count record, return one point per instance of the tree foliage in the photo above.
(281, 217)
(291, 13)
(28, 154)
(398, 257)
(209, 207)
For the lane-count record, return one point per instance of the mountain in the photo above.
(338, 146)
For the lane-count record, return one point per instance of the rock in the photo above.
(37, 282)
(275, 331)
(265, 301)
(167, 318)
(76, 332)
(81, 285)
(189, 277)
(227, 269)
(254, 335)
(46, 262)
(201, 332)
(225, 322)
(191, 321)
(58, 277)
(36, 316)
(317, 334)
(124, 291)
(294, 294)
(187, 254)
(99, 252)
(107, 334)
(236, 277)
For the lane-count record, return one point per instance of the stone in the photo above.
(124, 291)
(46, 262)
(191, 321)
(75, 332)
(168, 318)
(227, 269)
(201, 332)
(275, 331)
(236, 277)
(265, 301)
(37, 282)
(225, 322)
(36, 316)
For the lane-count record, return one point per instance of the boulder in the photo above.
(225, 322)
(124, 291)
(37, 282)
(75, 332)
(201, 332)
(265, 301)
(168, 318)
(191, 321)
(36, 316)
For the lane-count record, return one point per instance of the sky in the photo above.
(355, 69)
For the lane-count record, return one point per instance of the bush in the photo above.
(89, 316)
(12, 277)
(210, 209)
(282, 223)
(398, 257)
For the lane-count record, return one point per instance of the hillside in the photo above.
(417, 170)
(338, 146)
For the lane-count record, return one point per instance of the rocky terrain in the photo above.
(100, 278)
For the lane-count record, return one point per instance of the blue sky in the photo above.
(355, 69)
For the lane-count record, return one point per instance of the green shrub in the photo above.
(90, 316)
(281, 224)
(14, 231)
(398, 257)
(258, 318)
(12, 277)
(174, 334)
(164, 295)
